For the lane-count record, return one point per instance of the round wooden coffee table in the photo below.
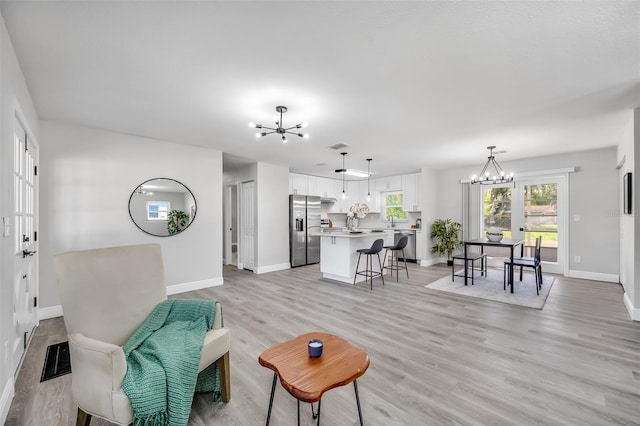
(307, 378)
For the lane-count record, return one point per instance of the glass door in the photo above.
(525, 210)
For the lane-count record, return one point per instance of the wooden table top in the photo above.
(307, 378)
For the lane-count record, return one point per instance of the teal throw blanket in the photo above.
(162, 362)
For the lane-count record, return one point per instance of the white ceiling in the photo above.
(409, 84)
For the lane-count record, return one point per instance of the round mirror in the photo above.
(162, 207)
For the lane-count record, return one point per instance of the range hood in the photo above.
(327, 200)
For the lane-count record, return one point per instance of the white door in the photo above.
(525, 210)
(25, 281)
(247, 225)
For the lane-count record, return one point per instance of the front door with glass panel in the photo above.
(525, 210)
(25, 284)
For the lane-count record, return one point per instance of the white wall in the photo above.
(86, 182)
(628, 155)
(13, 93)
(272, 208)
(593, 194)
(430, 203)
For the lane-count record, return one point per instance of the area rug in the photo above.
(491, 288)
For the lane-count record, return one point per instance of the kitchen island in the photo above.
(338, 256)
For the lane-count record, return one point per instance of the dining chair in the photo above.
(527, 262)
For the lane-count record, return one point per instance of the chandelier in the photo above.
(485, 178)
(280, 129)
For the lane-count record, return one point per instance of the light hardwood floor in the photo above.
(436, 358)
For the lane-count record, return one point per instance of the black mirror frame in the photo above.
(195, 203)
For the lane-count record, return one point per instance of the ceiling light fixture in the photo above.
(279, 129)
(485, 178)
(369, 179)
(141, 191)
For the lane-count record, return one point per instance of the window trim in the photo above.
(383, 202)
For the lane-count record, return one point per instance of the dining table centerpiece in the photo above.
(356, 211)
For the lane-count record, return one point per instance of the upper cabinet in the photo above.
(298, 184)
(411, 192)
(324, 187)
(390, 183)
(357, 191)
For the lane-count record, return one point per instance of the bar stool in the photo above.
(471, 257)
(368, 272)
(394, 265)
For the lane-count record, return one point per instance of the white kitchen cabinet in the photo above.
(297, 184)
(312, 186)
(411, 192)
(351, 189)
(390, 183)
(325, 187)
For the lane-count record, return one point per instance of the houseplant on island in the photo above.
(356, 211)
(446, 233)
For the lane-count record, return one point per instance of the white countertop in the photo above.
(357, 234)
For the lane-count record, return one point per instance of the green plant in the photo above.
(176, 221)
(446, 233)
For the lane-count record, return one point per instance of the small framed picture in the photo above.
(627, 193)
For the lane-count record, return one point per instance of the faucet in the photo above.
(393, 225)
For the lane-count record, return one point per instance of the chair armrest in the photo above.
(97, 370)
(217, 319)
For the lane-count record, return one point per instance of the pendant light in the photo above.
(344, 194)
(369, 179)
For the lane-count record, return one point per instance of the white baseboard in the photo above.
(5, 400)
(50, 312)
(595, 276)
(194, 285)
(634, 312)
(430, 262)
(271, 268)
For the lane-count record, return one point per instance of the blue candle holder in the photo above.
(315, 348)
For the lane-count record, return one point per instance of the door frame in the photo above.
(242, 222)
(20, 117)
(228, 222)
(561, 177)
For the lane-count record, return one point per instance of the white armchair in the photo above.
(106, 294)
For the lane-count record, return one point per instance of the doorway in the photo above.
(25, 277)
(231, 225)
(247, 225)
(526, 209)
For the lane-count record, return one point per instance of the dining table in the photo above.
(511, 244)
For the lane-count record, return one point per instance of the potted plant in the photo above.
(446, 233)
(176, 221)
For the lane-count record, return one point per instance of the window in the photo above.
(392, 206)
(158, 210)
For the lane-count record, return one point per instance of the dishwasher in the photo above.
(410, 249)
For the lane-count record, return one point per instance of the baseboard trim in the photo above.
(271, 268)
(430, 262)
(5, 400)
(594, 276)
(50, 312)
(194, 285)
(634, 313)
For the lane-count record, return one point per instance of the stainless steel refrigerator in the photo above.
(304, 219)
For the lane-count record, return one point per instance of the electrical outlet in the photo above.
(576, 218)
(577, 259)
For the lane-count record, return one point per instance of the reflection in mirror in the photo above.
(162, 207)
